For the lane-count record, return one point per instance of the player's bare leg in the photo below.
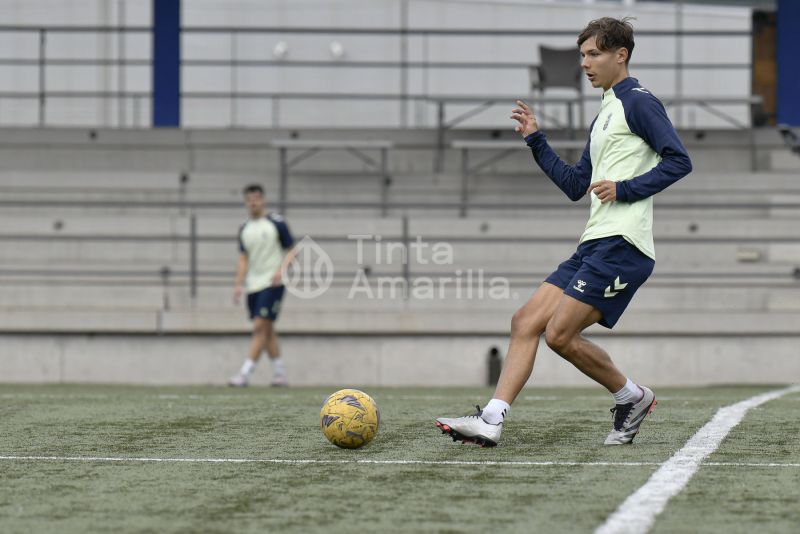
(273, 350)
(258, 342)
(527, 325)
(271, 341)
(563, 335)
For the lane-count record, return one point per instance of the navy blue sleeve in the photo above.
(574, 181)
(287, 241)
(241, 242)
(648, 119)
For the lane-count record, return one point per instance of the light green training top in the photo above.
(620, 155)
(633, 143)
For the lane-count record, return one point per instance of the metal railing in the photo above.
(404, 64)
(169, 276)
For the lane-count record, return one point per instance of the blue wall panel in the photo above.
(167, 63)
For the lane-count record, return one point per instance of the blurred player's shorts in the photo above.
(265, 303)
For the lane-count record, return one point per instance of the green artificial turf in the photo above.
(340, 495)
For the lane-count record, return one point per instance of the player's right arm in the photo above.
(572, 180)
(241, 267)
(241, 272)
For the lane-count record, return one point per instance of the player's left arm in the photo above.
(648, 119)
(288, 244)
(291, 254)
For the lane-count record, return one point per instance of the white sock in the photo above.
(247, 367)
(277, 366)
(495, 411)
(630, 392)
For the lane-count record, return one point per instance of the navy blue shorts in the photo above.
(604, 273)
(265, 303)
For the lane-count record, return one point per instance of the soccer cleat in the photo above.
(238, 381)
(628, 418)
(279, 380)
(471, 429)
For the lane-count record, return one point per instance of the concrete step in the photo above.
(439, 257)
(533, 228)
(656, 295)
(384, 322)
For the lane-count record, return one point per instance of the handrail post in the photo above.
(464, 182)
(234, 84)
(406, 258)
(385, 181)
(193, 257)
(165, 273)
(121, 67)
(42, 53)
(403, 63)
(438, 163)
(284, 183)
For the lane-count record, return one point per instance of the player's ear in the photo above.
(622, 55)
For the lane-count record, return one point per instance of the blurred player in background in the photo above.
(266, 249)
(633, 152)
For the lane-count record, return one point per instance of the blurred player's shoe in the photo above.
(471, 429)
(279, 380)
(239, 381)
(628, 418)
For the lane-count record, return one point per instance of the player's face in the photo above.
(603, 68)
(254, 203)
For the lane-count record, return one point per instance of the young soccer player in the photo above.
(266, 249)
(633, 152)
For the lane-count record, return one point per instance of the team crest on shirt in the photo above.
(608, 119)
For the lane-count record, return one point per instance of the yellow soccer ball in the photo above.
(349, 418)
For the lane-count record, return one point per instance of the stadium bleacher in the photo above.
(101, 226)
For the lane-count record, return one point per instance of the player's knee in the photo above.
(526, 323)
(557, 338)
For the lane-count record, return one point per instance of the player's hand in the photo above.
(526, 119)
(277, 279)
(605, 190)
(237, 294)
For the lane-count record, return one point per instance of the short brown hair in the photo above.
(610, 34)
(253, 188)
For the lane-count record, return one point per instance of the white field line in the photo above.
(638, 512)
(289, 461)
(748, 464)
